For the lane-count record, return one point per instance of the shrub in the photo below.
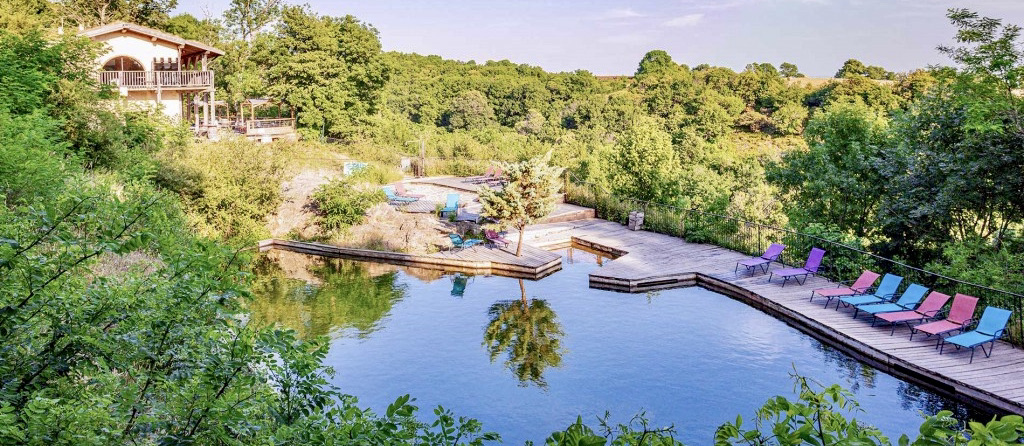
(376, 174)
(340, 204)
(227, 187)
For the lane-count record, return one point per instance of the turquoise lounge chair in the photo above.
(395, 198)
(458, 243)
(884, 293)
(451, 205)
(991, 327)
(909, 300)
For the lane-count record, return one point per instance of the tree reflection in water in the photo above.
(528, 332)
(336, 294)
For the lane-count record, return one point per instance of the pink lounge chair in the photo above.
(495, 238)
(960, 316)
(401, 192)
(859, 286)
(487, 177)
(928, 309)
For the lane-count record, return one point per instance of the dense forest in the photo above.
(123, 240)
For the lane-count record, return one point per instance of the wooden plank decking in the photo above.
(534, 263)
(653, 261)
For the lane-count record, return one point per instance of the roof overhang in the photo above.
(188, 47)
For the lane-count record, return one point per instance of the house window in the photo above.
(123, 63)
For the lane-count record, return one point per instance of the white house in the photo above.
(149, 66)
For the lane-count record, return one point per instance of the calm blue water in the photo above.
(688, 357)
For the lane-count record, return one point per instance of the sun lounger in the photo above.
(495, 238)
(929, 309)
(859, 286)
(394, 198)
(810, 268)
(991, 327)
(960, 315)
(884, 293)
(763, 261)
(401, 192)
(909, 300)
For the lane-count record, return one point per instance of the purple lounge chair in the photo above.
(960, 315)
(859, 286)
(487, 177)
(770, 255)
(810, 268)
(495, 238)
(401, 192)
(928, 309)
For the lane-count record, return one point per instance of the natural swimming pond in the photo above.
(527, 357)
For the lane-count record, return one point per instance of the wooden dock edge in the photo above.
(415, 260)
(856, 349)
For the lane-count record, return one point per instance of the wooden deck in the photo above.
(651, 261)
(535, 263)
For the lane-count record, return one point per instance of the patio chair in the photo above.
(497, 179)
(451, 205)
(486, 177)
(929, 309)
(884, 293)
(960, 316)
(991, 327)
(394, 198)
(810, 268)
(495, 238)
(859, 286)
(909, 300)
(401, 192)
(763, 261)
(458, 243)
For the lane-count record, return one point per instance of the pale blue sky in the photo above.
(610, 36)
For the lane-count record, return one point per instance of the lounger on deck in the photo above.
(960, 315)
(859, 286)
(991, 327)
(929, 309)
(810, 268)
(402, 192)
(458, 243)
(909, 300)
(770, 255)
(395, 198)
(884, 293)
(495, 238)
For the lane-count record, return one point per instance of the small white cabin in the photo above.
(150, 66)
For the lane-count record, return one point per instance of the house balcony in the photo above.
(152, 80)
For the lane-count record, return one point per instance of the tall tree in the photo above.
(329, 69)
(529, 195)
(646, 166)
(246, 18)
(787, 69)
(100, 12)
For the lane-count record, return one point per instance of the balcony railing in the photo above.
(148, 80)
(274, 126)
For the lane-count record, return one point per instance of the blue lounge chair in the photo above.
(451, 205)
(395, 198)
(884, 293)
(810, 268)
(770, 255)
(458, 243)
(991, 327)
(909, 300)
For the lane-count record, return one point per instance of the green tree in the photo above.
(329, 69)
(655, 63)
(787, 69)
(646, 166)
(470, 110)
(529, 194)
(188, 26)
(21, 16)
(100, 12)
(528, 333)
(839, 180)
(246, 18)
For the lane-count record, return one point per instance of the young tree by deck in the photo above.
(528, 195)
